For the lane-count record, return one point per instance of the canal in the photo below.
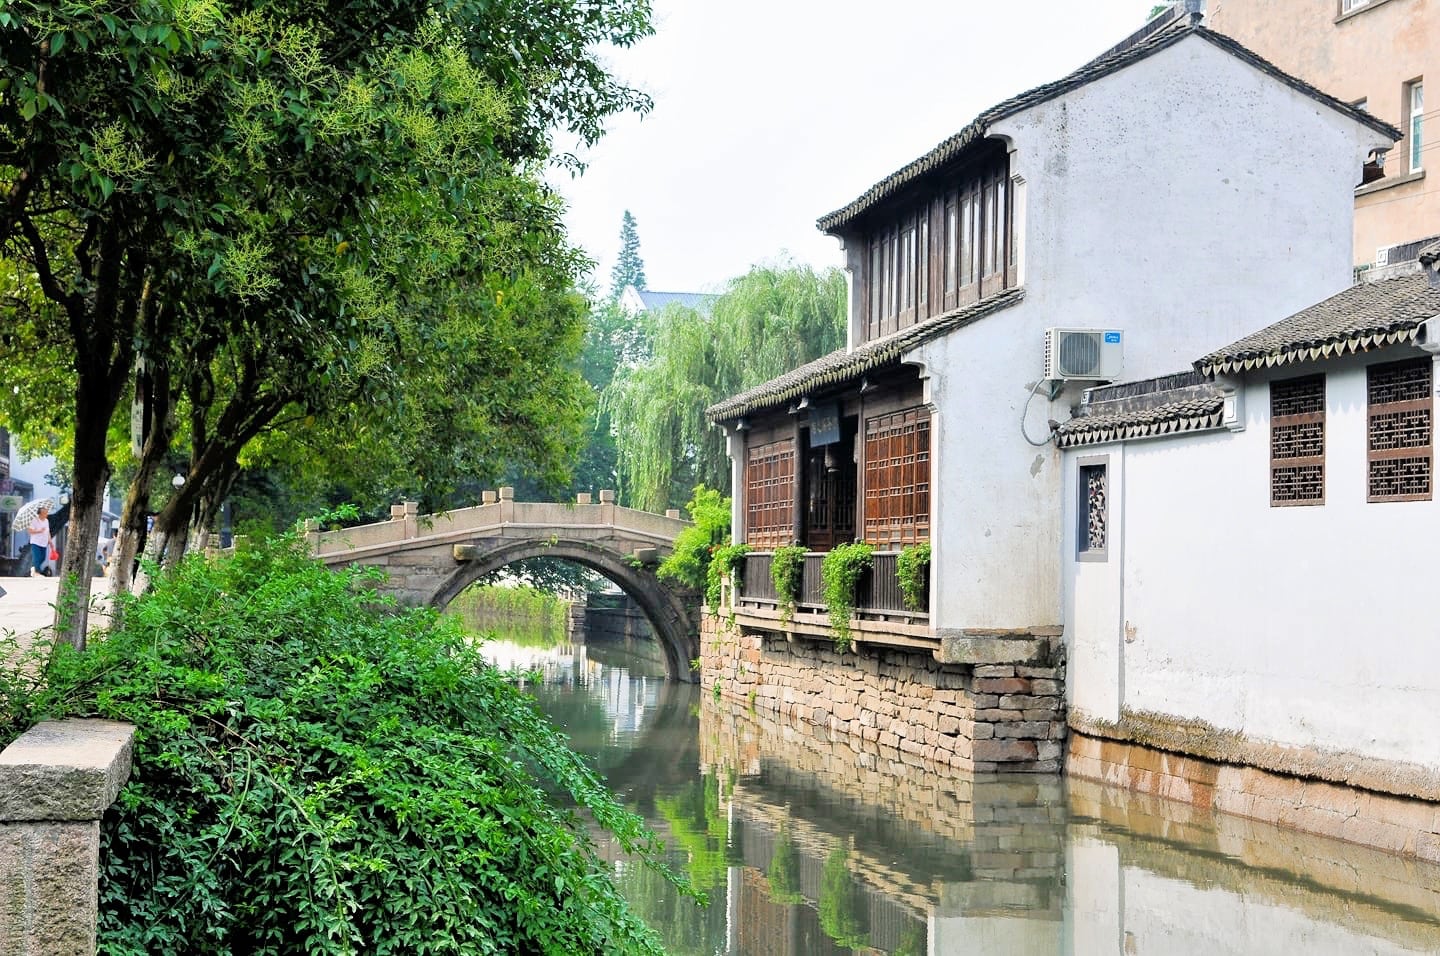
(807, 846)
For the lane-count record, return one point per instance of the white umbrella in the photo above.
(26, 513)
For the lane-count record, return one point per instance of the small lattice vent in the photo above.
(1297, 441)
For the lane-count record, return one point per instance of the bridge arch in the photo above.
(663, 608)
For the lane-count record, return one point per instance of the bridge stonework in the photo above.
(429, 559)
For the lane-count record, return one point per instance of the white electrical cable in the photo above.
(1026, 411)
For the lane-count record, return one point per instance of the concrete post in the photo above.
(412, 513)
(312, 535)
(507, 503)
(56, 782)
(583, 498)
(487, 497)
(672, 513)
(607, 498)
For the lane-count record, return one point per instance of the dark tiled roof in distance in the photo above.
(699, 301)
(1168, 419)
(951, 148)
(842, 365)
(1365, 316)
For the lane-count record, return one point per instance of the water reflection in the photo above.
(807, 845)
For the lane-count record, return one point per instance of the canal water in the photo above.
(805, 845)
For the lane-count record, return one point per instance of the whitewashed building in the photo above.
(1248, 548)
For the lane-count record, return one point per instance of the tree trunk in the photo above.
(159, 429)
(87, 501)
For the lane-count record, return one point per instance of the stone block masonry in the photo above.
(56, 782)
(974, 717)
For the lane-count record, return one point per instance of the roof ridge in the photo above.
(950, 147)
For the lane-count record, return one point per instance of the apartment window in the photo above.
(1297, 441)
(1092, 532)
(897, 478)
(1347, 5)
(1400, 427)
(770, 494)
(1417, 116)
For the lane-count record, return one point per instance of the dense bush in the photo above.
(690, 560)
(315, 773)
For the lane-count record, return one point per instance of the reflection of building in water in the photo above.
(940, 864)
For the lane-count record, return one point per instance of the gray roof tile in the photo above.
(1365, 316)
(950, 148)
(1166, 419)
(841, 365)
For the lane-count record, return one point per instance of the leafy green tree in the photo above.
(629, 267)
(318, 772)
(183, 180)
(772, 319)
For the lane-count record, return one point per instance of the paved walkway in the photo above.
(28, 606)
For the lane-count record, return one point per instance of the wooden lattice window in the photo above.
(770, 494)
(1297, 441)
(1400, 428)
(897, 478)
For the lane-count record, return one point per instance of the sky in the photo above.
(770, 113)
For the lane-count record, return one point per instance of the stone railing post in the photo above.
(412, 515)
(583, 498)
(607, 498)
(312, 535)
(56, 782)
(507, 503)
(488, 498)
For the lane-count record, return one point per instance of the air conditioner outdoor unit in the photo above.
(1096, 354)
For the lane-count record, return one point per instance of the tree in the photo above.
(177, 178)
(629, 267)
(772, 319)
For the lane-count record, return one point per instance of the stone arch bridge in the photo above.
(432, 558)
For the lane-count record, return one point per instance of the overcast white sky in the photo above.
(770, 113)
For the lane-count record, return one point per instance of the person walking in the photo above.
(39, 531)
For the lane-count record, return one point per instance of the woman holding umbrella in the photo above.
(38, 527)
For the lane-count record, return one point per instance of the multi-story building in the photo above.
(1376, 54)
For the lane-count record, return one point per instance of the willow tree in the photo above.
(186, 171)
(768, 321)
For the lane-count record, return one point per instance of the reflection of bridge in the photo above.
(432, 558)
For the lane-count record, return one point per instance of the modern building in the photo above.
(635, 300)
(1375, 54)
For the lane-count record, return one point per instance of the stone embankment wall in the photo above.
(1396, 824)
(975, 717)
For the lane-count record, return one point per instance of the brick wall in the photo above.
(990, 717)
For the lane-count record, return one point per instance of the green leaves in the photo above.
(840, 571)
(317, 771)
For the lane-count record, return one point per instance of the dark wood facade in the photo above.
(848, 467)
(938, 251)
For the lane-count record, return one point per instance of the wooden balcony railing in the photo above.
(878, 594)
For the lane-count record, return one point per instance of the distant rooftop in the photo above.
(649, 300)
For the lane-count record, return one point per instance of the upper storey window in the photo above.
(941, 251)
(1414, 126)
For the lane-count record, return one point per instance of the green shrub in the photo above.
(787, 572)
(317, 772)
(725, 560)
(841, 572)
(689, 562)
(912, 567)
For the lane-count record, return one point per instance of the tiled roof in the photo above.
(842, 365)
(699, 301)
(1167, 419)
(948, 150)
(1365, 316)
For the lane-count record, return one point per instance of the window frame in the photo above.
(1415, 122)
(1373, 410)
(1297, 420)
(1350, 6)
(770, 466)
(1085, 466)
(904, 436)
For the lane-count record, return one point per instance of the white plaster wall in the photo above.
(1156, 201)
(1093, 602)
(1305, 626)
(1188, 199)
